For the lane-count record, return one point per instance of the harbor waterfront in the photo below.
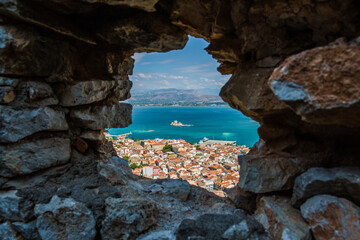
(214, 123)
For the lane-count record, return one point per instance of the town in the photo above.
(209, 164)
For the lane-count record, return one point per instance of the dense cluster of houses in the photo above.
(210, 166)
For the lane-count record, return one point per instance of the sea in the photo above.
(212, 122)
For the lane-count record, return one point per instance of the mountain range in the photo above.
(173, 96)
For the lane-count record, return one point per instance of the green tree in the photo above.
(197, 147)
(167, 148)
(126, 158)
(192, 143)
(134, 165)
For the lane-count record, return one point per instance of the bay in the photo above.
(219, 123)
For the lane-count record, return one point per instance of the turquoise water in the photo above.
(220, 123)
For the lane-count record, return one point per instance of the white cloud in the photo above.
(157, 63)
(138, 56)
(194, 68)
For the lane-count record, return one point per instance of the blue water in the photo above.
(220, 123)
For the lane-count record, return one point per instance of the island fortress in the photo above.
(179, 124)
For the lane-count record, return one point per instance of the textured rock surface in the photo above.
(17, 124)
(159, 235)
(321, 85)
(331, 217)
(99, 117)
(51, 57)
(14, 208)
(241, 199)
(217, 226)
(92, 91)
(19, 159)
(115, 170)
(27, 230)
(65, 219)
(125, 219)
(267, 174)
(281, 220)
(7, 232)
(344, 182)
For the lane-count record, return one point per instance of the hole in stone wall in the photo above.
(202, 147)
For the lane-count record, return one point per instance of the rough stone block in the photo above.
(27, 230)
(332, 218)
(342, 182)
(127, 218)
(261, 174)
(28, 157)
(7, 232)
(86, 92)
(114, 171)
(65, 219)
(281, 219)
(99, 117)
(81, 145)
(7, 94)
(25, 53)
(17, 124)
(221, 226)
(14, 208)
(321, 84)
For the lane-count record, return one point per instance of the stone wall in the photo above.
(65, 64)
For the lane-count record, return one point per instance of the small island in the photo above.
(179, 124)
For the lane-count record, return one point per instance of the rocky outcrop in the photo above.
(15, 208)
(20, 158)
(64, 219)
(100, 117)
(243, 200)
(344, 182)
(281, 219)
(321, 85)
(227, 227)
(331, 217)
(295, 70)
(126, 219)
(18, 124)
(7, 232)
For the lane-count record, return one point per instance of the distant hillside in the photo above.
(173, 97)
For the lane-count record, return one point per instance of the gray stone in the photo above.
(126, 218)
(115, 170)
(99, 117)
(86, 92)
(267, 174)
(14, 208)
(7, 94)
(40, 90)
(93, 135)
(27, 230)
(10, 82)
(281, 219)
(32, 94)
(341, 182)
(176, 188)
(26, 53)
(158, 235)
(28, 157)
(7, 232)
(241, 199)
(65, 219)
(17, 124)
(244, 230)
(331, 217)
(220, 226)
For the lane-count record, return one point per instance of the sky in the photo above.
(189, 68)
